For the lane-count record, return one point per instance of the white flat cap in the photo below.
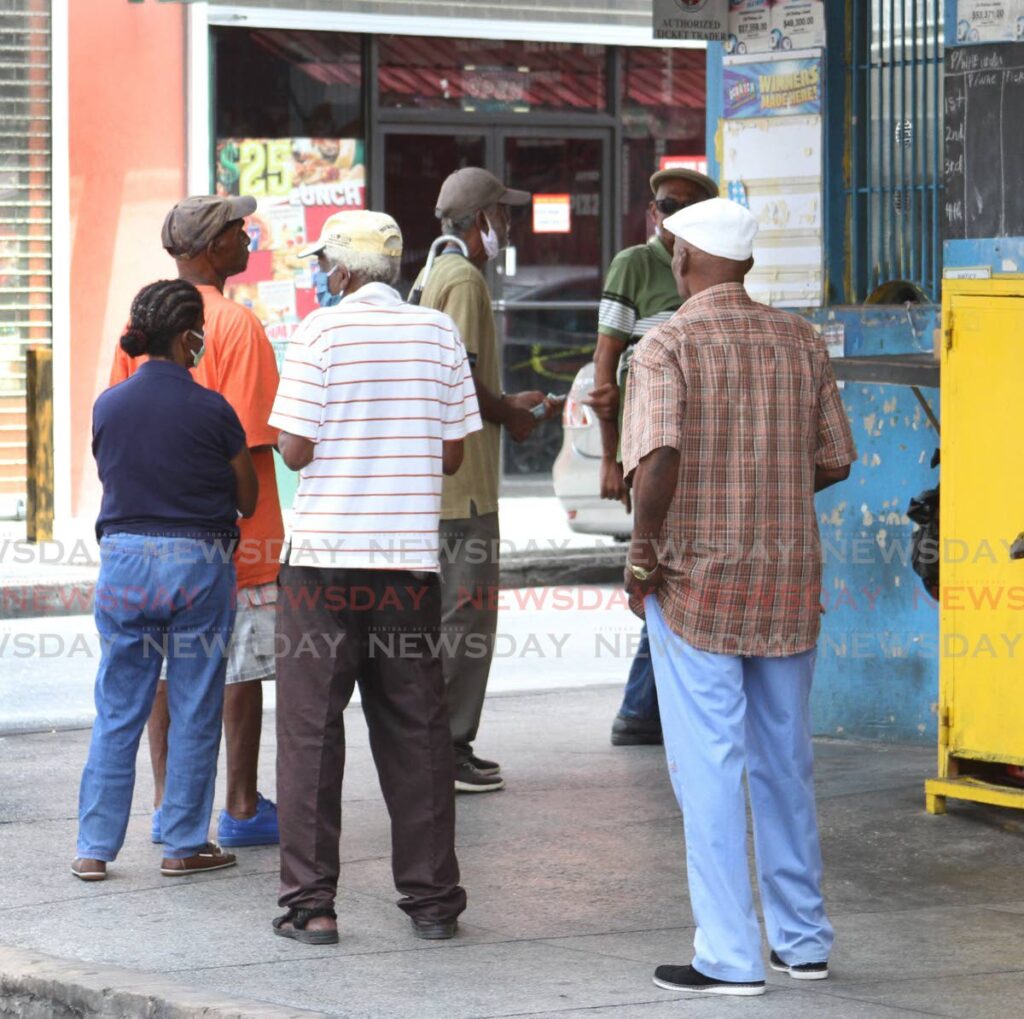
(717, 226)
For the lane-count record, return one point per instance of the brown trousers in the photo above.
(337, 627)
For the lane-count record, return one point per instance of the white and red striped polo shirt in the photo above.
(378, 385)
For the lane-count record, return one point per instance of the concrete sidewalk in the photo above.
(576, 886)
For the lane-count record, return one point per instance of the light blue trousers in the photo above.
(722, 715)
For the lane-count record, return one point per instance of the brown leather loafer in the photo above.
(209, 857)
(89, 870)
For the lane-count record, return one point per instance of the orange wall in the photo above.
(127, 168)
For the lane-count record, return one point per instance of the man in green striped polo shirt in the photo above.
(639, 293)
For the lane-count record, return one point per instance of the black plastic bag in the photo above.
(924, 542)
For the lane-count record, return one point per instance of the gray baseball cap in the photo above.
(471, 189)
(195, 221)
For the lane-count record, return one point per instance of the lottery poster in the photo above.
(750, 27)
(989, 21)
(297, 183)
(772, 88)
(798, 24)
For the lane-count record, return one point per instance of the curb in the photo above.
(602, 565)
(38, 986)
(567, 567)
(46, 598)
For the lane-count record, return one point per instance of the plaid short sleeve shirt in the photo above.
(747, 396)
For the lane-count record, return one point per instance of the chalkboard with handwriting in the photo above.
(983, 152)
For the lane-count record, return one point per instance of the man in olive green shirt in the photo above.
(472, 205)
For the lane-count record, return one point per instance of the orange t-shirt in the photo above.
(239, 364)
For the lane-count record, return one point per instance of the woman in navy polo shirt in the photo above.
(176, 476)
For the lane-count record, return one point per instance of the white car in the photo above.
(577, 470)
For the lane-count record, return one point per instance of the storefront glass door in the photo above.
(547, 308)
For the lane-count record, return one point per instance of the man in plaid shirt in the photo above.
(733, 421)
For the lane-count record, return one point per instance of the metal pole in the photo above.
(937, 162)
(865, 13)
(891, 246)
(904, 235)
(920, 118)
(856, 200)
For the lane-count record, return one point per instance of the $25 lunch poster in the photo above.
(297, 183)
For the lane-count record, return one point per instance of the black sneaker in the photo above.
(469, 779)
(804, 971)
(484, 766)
(686, 978)
(635, 732)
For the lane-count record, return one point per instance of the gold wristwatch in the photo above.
(638, 571)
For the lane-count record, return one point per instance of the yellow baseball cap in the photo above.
(371, 233)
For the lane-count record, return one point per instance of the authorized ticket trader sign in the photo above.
(297, 184)
(691, 19)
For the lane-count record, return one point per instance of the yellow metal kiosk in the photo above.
(981, 631)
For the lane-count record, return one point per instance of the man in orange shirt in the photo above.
(206, 237)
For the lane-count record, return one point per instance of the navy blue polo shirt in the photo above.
(163, 445)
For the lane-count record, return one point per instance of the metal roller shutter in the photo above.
(25, 224)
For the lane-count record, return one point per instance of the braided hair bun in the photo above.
(134, 341)
(160, 312)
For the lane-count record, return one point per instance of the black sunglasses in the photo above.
(669, 206)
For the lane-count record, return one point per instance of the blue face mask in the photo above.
(323, 295)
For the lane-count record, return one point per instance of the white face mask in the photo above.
(490, 241)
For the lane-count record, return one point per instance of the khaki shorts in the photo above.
(251, 651)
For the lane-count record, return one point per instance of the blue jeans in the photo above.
(723, 715)
(640, 698)
(157, 597)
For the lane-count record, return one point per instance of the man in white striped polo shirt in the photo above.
(375, 399)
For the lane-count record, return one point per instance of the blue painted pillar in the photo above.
(949, 21)
(715, 105)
